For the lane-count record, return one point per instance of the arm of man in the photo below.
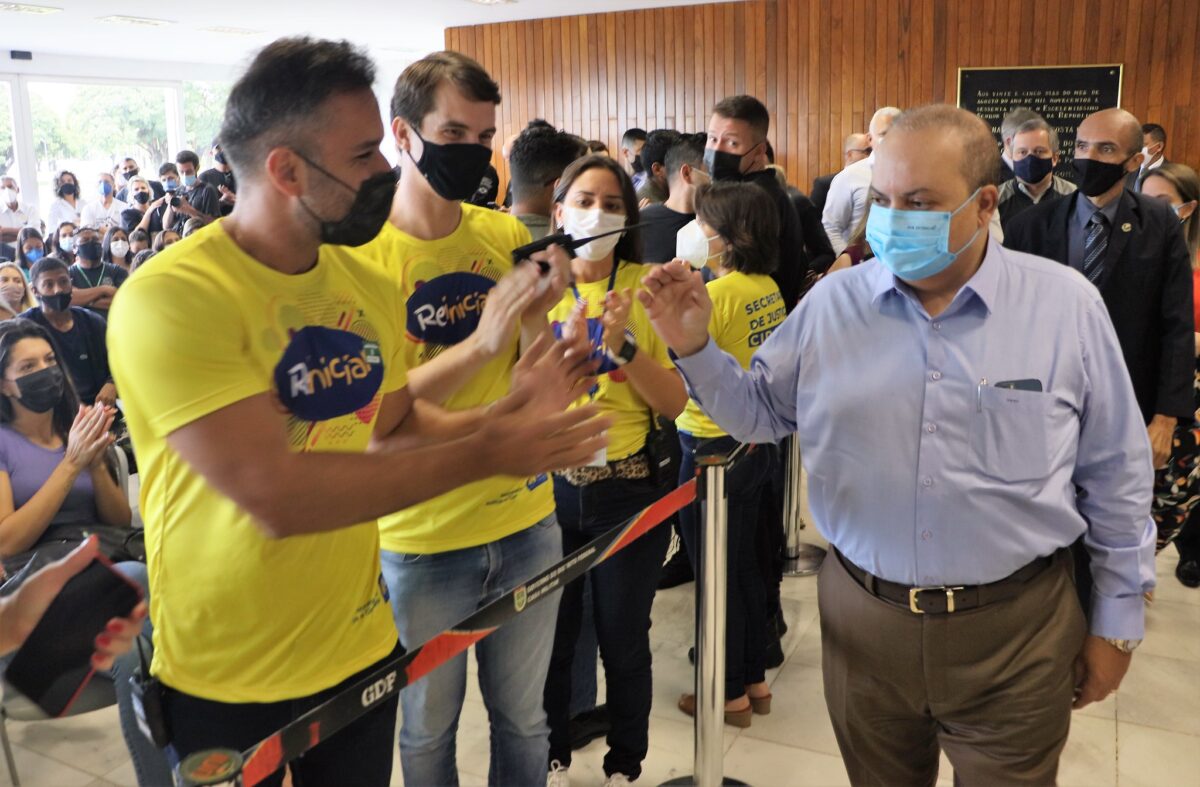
(839, 207)
(756, 405)
(1114, 475)
(816, 242)
(1177, 363)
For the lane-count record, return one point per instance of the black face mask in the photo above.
(89, 251)
(141, 197)
(67, 190)
(220, 157)
(1097, 177)
(368, 213)
(59, 302)
(454, 171)
(722, 165)
(1033, 169)
(42, 389)
(638, 166)
(131, 174)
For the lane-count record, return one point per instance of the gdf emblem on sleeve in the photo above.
(520, 598)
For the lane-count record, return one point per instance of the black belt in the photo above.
(941, 599)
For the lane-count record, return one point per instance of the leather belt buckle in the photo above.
(914, 596)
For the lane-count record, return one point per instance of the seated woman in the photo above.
(15, 296)
(62, 242)
(740, 223)
(30, 249)
(116, 249)
(53, 453)
(164, 239)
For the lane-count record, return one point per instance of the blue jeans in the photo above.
(623, 589)
(149, 762)
(432, 592)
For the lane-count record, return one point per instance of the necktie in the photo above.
(1095, 246)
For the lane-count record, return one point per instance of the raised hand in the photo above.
(678, 306)
(553, 282)
(506, 302)
(89, 437)
(524, 441)
(615, 318)
(553, 374)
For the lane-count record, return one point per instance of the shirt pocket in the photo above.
(1010, 434)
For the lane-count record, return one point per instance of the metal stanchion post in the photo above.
(709, 722)
(800, 558)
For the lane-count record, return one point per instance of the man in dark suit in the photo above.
(855, 147)
(1154, 144)
(1132, 248)
(1008, 129)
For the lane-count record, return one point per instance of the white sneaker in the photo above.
(617, 780)
(557, 777)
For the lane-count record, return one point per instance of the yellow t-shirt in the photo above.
(614, 394)
(746, 309)
(444, 284)
(239, 617)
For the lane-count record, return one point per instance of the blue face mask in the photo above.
(189, 181)
(104, 188)
(33, 255)
(914, 244)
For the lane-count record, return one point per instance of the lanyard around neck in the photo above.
(612, 280)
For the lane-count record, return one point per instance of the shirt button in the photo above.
(931, 428)
(927, 482)
(935, 376)
(937, 326)
(926, 535)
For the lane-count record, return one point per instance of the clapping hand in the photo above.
(678, 305)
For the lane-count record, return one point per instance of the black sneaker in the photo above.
(676, 572)
(1188, 572)
(588, 726)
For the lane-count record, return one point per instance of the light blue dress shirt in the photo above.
(924, 472)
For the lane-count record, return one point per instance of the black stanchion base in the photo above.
(690, 781)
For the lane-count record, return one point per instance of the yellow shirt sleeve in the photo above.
(178, 351)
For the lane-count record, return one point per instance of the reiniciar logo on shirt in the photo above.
(326, 373)
(446, 310)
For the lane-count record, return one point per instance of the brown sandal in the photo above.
(734, 718)
(760, 705)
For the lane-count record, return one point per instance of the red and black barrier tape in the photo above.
(318, 724)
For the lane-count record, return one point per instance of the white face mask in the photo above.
(584, 223)
(691, 244)
(11, 294)
(119, 248)
(8, 197)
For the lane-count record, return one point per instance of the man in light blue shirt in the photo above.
(965, 415)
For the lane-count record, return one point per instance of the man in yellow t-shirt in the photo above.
(257, 364)
(447, 557)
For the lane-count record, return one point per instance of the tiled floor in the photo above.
(1147, 735)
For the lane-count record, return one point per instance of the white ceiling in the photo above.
(397, 30)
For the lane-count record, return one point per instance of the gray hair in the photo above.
(1013, 121)
(1037, 124)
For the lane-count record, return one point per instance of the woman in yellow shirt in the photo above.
(740, 222)
(635, 381)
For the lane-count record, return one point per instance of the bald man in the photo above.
(1133, 249)
(855, 147)
(847, 200)
(1002, 431)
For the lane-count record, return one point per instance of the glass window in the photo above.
(87, 129)
(203, 110)
(8, 150)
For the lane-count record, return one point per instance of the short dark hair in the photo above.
(539, 123)
(187, 157)
(596, 146)
(1156, 132)
(140, 236)
(277, 96)
(167, 166)
(658, 142)
(633, 135)
(770, 152)
(538, 157)
(629, 247)
(58, 180)
(412, 98)
(747, 108)
(688, 150)
(47, 265)
(747, 218)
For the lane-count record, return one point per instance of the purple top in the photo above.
(28, 466)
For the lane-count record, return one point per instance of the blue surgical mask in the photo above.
(189, 181)
(914, 244)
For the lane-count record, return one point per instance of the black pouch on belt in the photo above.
(147, 697)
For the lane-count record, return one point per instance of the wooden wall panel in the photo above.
(823, 66)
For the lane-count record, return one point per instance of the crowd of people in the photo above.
(357, 419)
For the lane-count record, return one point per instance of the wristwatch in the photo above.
(1124, 645)
(628, 351)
